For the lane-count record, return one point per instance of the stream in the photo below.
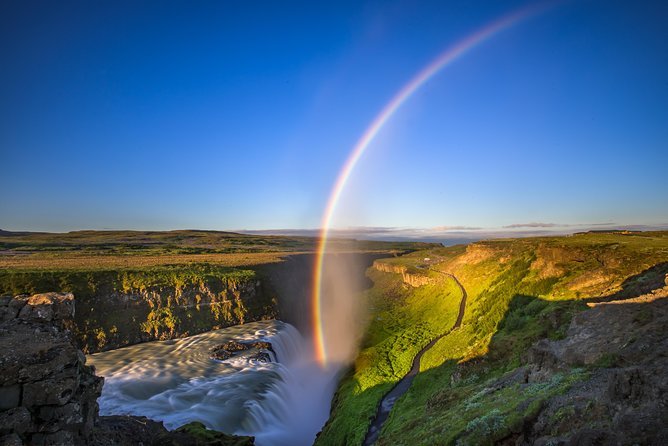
(404, 384)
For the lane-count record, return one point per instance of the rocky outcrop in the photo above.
(47, 393)
(411, 278)
(111, 319)
(122, 307)
(129, 430)
(260, 350)
(624, 344)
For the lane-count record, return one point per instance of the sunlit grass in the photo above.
(519, 291)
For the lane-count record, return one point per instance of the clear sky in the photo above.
(240, 114)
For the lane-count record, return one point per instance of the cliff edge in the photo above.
(47, 393)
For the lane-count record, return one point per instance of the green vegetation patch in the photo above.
(405, 320)
(86, 283)
(196, 433)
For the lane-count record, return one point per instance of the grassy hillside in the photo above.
(519, 291)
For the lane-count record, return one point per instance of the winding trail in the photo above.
(404, 384)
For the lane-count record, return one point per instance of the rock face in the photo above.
(47, 393)
(111, 318)
(126, 430)
(625, 400)
(233, 348)
(121, 307)
(411, 278)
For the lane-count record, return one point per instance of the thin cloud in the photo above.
(455, 228)
(368, 229)
(532, 225)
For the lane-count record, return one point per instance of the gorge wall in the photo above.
(412, 278)
(118, 308)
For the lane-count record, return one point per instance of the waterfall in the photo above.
(287, 342)
(296, 405)
(283, 402)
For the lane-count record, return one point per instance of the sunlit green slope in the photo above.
(519, 291)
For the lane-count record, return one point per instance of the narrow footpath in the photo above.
(404, 384)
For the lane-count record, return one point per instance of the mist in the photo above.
(344, 312)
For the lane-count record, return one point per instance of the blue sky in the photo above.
(239, 115)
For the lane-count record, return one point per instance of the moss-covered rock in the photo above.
(197, 434)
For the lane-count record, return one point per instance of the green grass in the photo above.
(114, 250)
(405, 320)
(85, 249)
(519, 291)
(86, 283)
(472, 414)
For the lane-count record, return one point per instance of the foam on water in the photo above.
(280, 403)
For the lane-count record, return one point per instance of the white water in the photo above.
(280, 403)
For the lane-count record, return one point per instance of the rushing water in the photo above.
(282, 402)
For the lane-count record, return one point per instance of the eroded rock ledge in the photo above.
(48, 395)
(411, 278)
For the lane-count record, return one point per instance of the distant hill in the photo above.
(108, 249)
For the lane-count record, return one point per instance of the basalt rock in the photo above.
(412, 278)
(130, 430)
(262, 345)
(234, 348)
(220, 353)
(624, 345)
(47, 393)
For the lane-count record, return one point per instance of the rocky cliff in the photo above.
(47, 393)
(109, 320)
(412, 278)
(123, 307)
(624, 399)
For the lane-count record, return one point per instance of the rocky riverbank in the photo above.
(48, 395)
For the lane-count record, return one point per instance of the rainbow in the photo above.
(441, 61)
